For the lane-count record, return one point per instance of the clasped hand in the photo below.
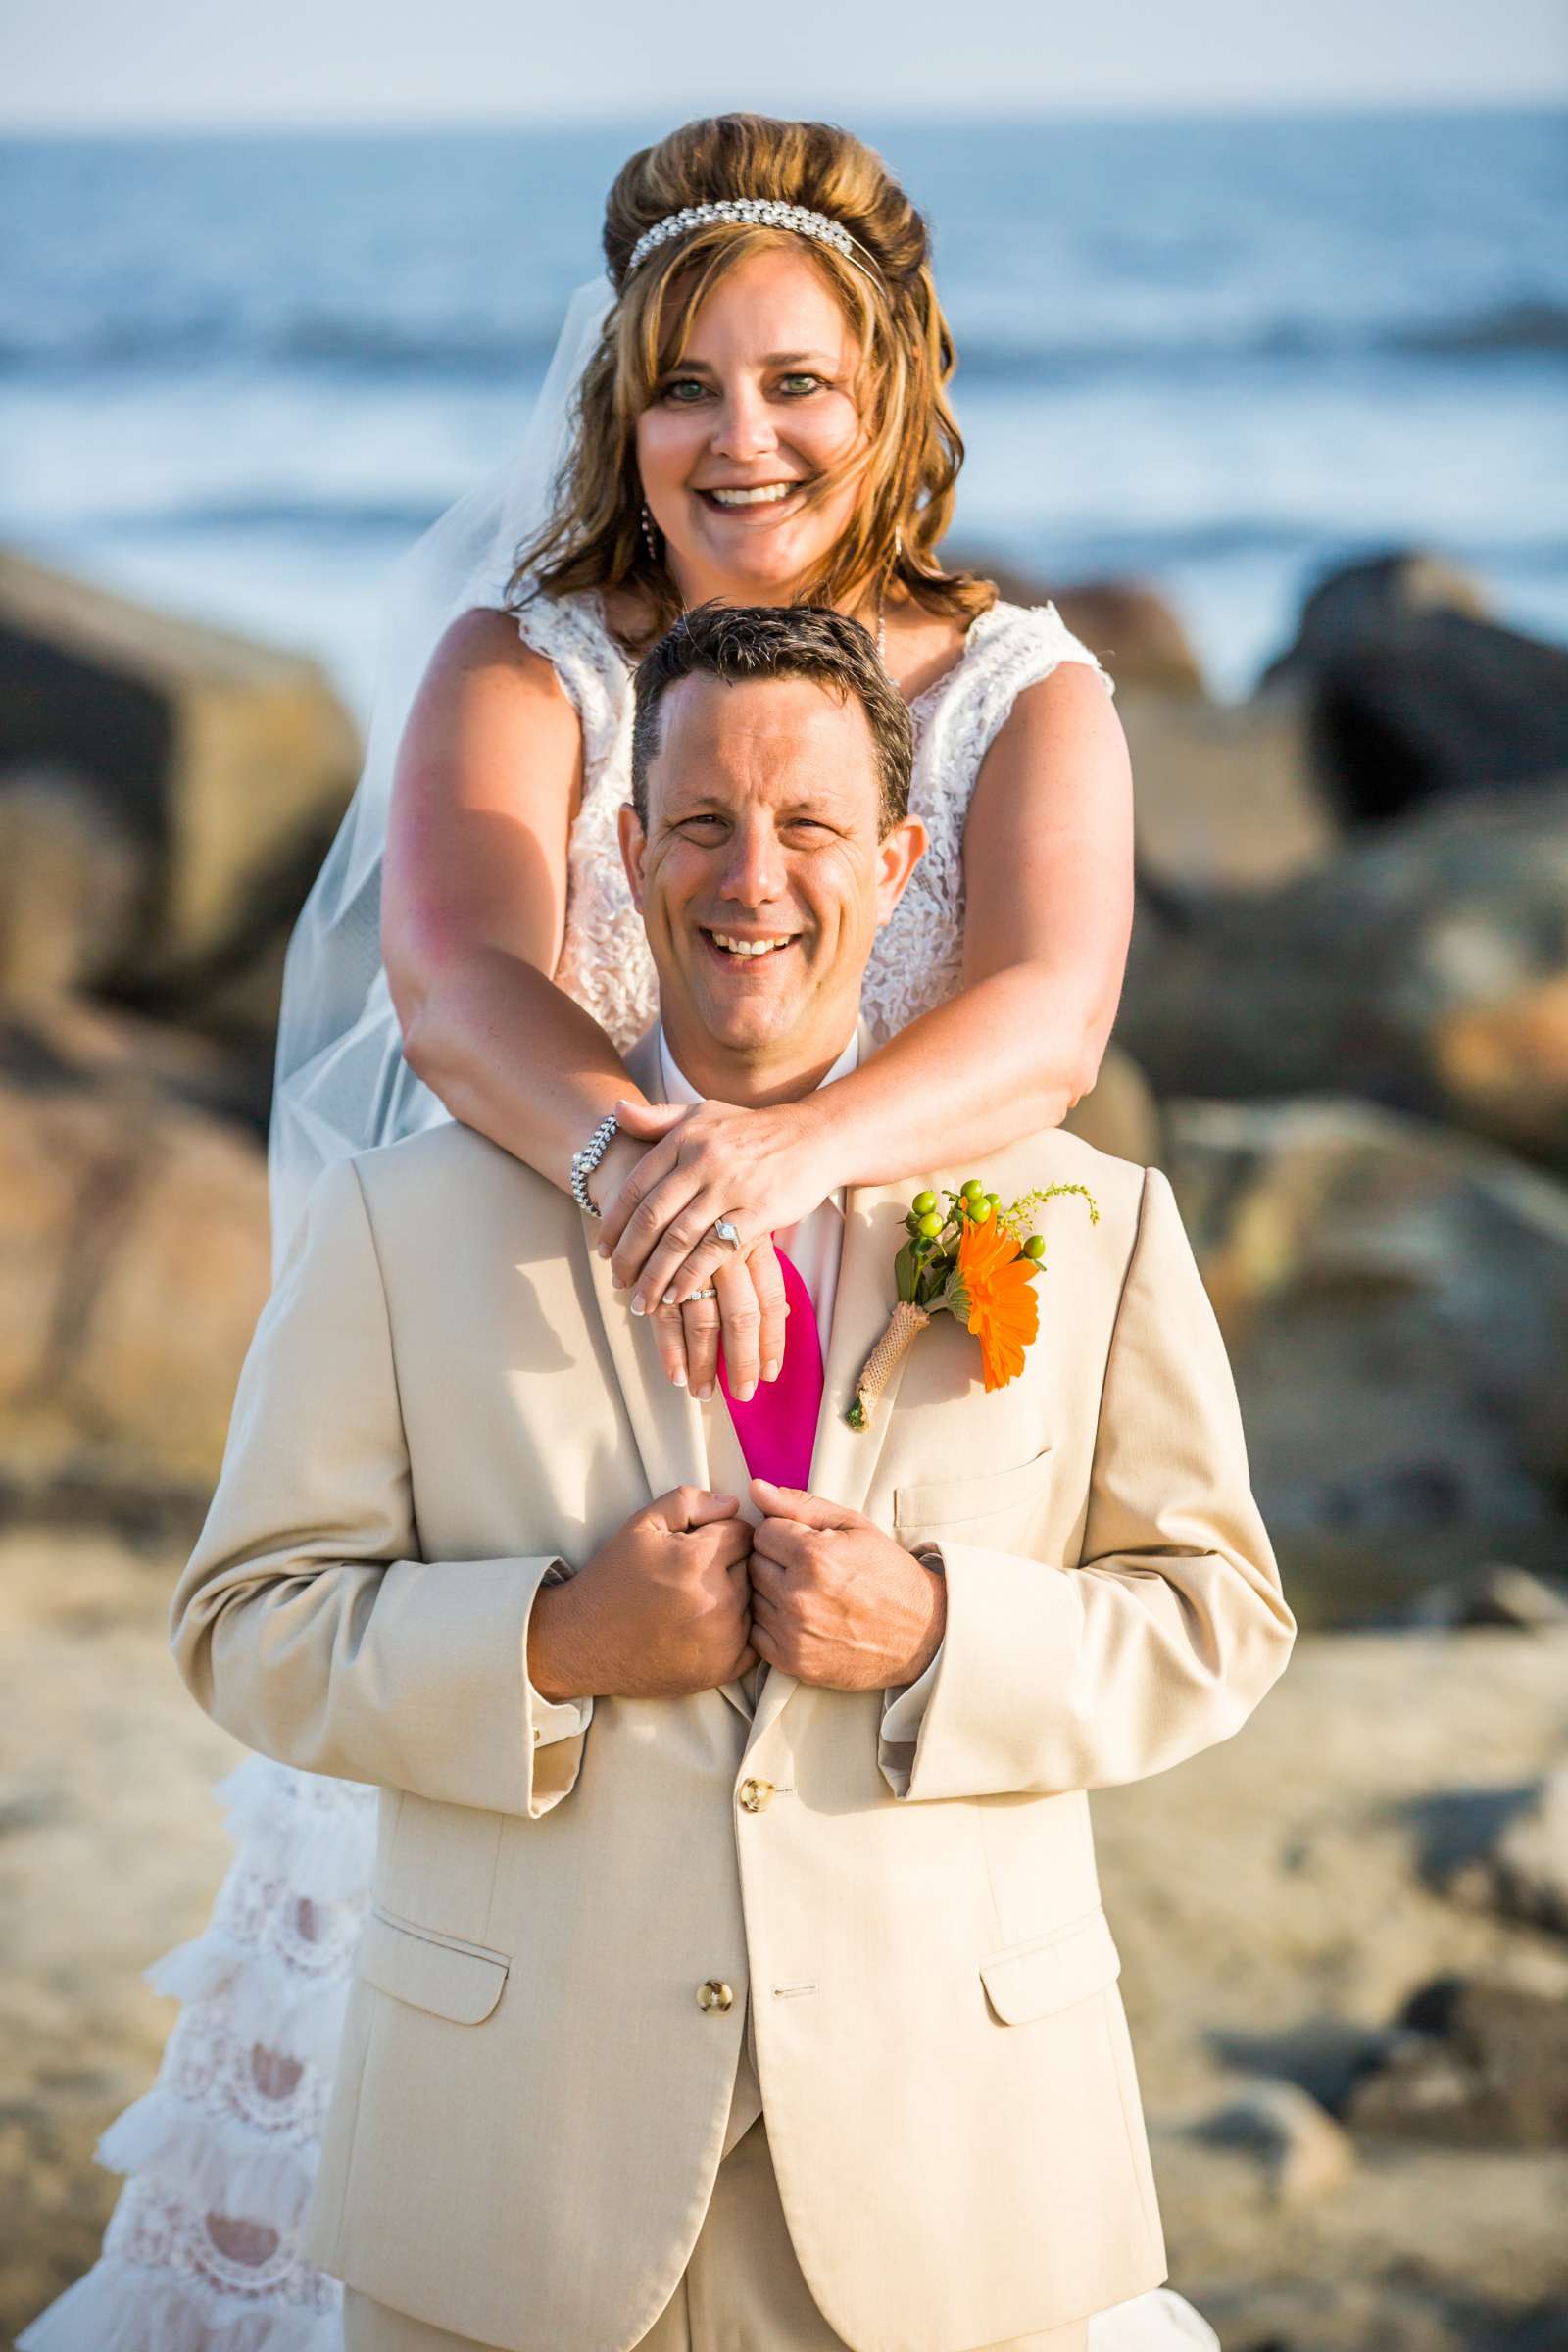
(673, 1169)
(688, 1595)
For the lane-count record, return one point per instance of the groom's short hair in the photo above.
(739, 642)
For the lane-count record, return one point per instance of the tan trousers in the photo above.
(742, 2291)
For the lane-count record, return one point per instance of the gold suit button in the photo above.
(714, 1994)
(755, 1794)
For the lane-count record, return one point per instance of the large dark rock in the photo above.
(214, 768)
(1415, 695)
(1425, 967)
(133, 1264)
(1352, 602)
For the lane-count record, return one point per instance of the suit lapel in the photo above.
(674, 1435)
(681, 1443)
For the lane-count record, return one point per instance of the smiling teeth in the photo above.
(753, 498)
(748, 947)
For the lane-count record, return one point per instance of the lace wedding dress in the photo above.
(200, 2254)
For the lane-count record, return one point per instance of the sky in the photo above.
(160, 63)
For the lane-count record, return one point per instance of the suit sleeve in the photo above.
(305, 1622)
(1172, 1625)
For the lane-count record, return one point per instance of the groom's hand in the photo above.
(834, 1601)
(661, 1609)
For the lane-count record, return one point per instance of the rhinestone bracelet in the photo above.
(584, 1162)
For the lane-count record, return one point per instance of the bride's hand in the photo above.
(760, 1168)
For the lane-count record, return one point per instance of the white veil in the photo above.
(341, 1082)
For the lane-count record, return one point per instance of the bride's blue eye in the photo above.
(682, 383)
(815, 382)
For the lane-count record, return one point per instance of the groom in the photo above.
(701, 2005)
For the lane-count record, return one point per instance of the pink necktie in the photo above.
(777, 1426)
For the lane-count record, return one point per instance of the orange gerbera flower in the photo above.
(994, 1294)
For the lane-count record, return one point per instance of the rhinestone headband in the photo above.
(758, 209)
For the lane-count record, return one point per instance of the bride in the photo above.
(751, 405)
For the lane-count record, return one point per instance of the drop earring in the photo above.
(648, 534)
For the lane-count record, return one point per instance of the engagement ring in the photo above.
(726, 1233)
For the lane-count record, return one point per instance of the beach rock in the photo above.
(1476, 2064)
(1415, 694)
(224, 763)
(1136, 633)
(1224, 796)
(1266, 1903)
(1352, 602)
(1305, 2152)
(74, 878)
(1425, 967)
(1438, 703)
(1509, 1856)
(133, 1264)
(1131, 624)
(1393, 1298)
(77, 1041)
(1503, 1596)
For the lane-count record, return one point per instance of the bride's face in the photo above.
(760, 402)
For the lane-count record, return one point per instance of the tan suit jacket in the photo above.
(446, 1402)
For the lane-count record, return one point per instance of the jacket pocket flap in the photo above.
(462, 1982)
(1031, 1979)
(947, 1502)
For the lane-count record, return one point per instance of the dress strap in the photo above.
(595, 675)
(1010, 646)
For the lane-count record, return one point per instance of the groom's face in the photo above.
(761, 877)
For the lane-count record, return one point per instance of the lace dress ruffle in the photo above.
(202, 2251)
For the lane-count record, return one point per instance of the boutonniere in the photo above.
(974, 1260)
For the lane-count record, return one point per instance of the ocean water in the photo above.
(240, 374)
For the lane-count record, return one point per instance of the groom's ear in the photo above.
(898, 853)
(633, 849)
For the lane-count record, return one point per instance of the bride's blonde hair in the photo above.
(913, 449)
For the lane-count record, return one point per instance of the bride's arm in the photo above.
(473, 910)
(1047, 861)
(1049, 900)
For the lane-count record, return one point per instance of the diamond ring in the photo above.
(728, 1233)
(711, 1291)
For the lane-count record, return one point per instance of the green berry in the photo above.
(931, 1226)
(1035, 1246)
(923, 1204)
(974, 1190)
